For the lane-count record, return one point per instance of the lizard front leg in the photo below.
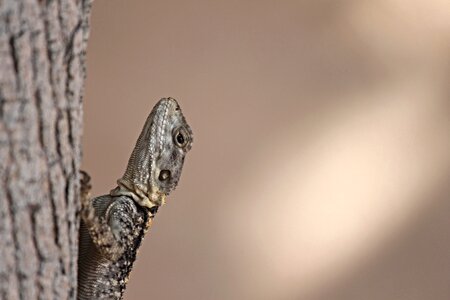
(98, 228)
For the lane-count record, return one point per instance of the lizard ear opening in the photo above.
(164, 175)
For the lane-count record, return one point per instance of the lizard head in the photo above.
(155, 165)
(175, 140)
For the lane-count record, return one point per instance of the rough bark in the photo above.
(42, 54)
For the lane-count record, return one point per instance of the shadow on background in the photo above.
(414, 264)
(321, 145)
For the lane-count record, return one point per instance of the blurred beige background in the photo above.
(321, 161)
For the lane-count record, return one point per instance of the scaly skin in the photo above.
(113, 226)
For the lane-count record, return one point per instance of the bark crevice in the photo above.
(11, 219)
(12, 48)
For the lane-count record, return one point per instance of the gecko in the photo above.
(113, 226)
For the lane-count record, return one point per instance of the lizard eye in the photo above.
(181, 137)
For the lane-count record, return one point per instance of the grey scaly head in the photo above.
(155, 165)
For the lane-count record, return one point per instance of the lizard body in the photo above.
(113, 225)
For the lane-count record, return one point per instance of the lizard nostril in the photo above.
(164, 175)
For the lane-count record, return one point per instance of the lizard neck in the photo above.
(139, 194)
(150, 207)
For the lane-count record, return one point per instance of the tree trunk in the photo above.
(42, 71)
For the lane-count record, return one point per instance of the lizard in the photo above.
(113, 226)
